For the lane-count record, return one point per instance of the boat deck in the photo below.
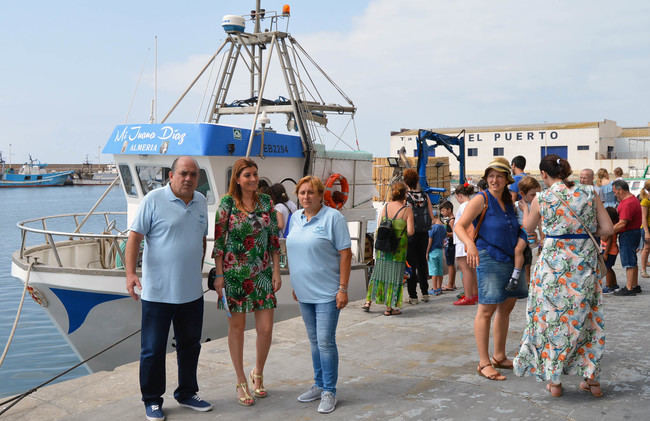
(417, 366)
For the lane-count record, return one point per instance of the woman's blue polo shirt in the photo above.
(313, 252)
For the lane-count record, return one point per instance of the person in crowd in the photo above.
(470, 297)
(629, 236)
(417, 243)
(587, 178)
(447, 213)
(284, 206)
(320, 257)
(645, 225)
(529, 187)
(565, 333)
(482, 185)
(606, 192)
(247, 261)
(385, 286)
(609, 250)
(618, 173)
(493, 255)
(437, 235)
(173, 221)
(518, 165)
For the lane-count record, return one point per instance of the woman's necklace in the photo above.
(248, 207)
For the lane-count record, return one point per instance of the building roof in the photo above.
(507, 128)
(636, 132)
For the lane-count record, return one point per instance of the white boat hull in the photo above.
(101, 313)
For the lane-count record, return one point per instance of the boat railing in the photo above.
(110, 232)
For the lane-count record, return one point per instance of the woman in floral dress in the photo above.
(246, 254)
(565, 323)
(385, 285)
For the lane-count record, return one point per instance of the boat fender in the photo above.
(336, 198)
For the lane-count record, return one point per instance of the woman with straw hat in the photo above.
(491, 250)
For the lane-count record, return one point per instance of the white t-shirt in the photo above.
(284, 208)
(460, 247)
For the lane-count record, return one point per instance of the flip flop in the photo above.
(448, 289)
(392, 312)
(366, 307)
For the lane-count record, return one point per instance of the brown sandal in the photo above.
(497, 376)
(392, 312)
(554, 389)
(366, 306)
(593, 388)
(500, 363)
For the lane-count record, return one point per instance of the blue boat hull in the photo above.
(35, 180)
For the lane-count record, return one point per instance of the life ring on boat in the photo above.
(336, 198)
(37, 296)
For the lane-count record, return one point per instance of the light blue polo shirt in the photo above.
(173, 248)
(313, 251)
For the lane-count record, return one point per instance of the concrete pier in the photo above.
(420, 365)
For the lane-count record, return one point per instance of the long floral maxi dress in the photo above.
(247, 262)
(565, 332)
(385, 286)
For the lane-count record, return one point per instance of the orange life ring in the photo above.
(336, 198)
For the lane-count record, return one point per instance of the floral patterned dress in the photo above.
(565, 324)
(247, 262)
(386, 281)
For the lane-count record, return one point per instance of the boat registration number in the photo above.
(282, 149)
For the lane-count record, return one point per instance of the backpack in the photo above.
(386, 240)
(421, 217)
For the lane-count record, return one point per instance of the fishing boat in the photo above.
(78, 276)
(32, 174)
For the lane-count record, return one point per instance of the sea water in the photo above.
(39, 351)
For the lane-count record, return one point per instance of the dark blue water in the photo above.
(38, 351)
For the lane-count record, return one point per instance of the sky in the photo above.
(72, 70)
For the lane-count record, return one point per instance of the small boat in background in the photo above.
(32, 175)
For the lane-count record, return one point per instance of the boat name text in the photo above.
(132, 133)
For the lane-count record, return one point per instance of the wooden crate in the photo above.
(438, 174)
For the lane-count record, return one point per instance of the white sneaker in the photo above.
(327, 403)
(311, 395)
(413, 300)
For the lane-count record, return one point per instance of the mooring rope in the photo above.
(20, 309)
(23, 395)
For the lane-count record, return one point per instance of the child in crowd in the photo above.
(437, 235)
(464, 193)
(447, 213)
(528, 189)
(610, 251)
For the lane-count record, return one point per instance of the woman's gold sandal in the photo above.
(260, 392)
(247, 399)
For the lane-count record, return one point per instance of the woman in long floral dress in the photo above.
(246, 254)
(565, 323)
(385, 286)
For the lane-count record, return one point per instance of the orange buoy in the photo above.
(336, 198)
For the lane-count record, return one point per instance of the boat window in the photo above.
(204, 187)
(127, 180)
(152, 177)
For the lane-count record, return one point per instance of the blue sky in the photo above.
(70, 68)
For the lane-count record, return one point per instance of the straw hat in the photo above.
(501, 165)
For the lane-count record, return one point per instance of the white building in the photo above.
(600, 144)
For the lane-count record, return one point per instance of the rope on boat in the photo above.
(20, 309)
(20, 397)
(23, 395)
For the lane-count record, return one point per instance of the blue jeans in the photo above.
(320, 321)
(628, 241)
(493, 276)
(187, 320)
